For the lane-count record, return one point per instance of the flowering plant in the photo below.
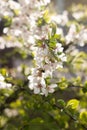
(42, 67)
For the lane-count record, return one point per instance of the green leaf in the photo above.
(40, 22)
(85, 87)
(53, 26)
(3, 71)
(52, 101)
(52, 44)
(73, 104)
(46, 16)
(7, 21)
(61, 102)
(83, 117)
(63, 84)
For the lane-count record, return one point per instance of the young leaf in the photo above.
(61, 102)
(73, 104)
(85, 87)
(83, 117)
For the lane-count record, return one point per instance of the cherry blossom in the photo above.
(3, 84)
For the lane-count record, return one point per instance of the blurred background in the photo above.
(62, 5)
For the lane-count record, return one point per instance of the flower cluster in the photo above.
(38, 82)
(61, 19)
(76, 37)
(19, 21)
(47, 60)
(30, 26)
(48, 56)
(3, 84)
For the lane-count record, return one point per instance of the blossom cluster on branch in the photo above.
(27, 24)
(43, 66)
(3, 84)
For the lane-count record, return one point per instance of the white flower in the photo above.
(1, 78)
(45, 2)
(70, 37)
(5, 30)
(59, 31)
(17, 32)
(78, 15)
(3, 84)
(49, 89)
(57, 65)
(13, 4)
(82, 37)
(36, 84)
(61, 19)
(59, 48)
(11, 112)
(40, 54)
(48, 72)
(63, 57)
(31, 40)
